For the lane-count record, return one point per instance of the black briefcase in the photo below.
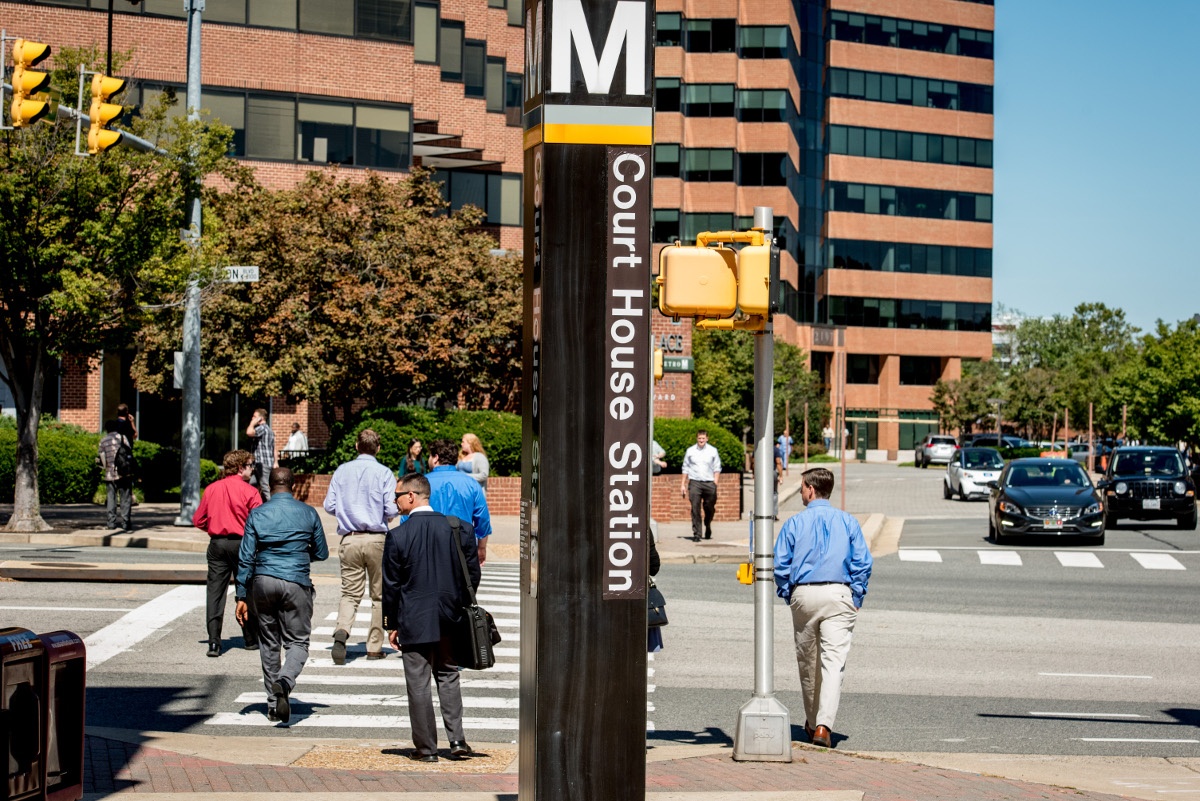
(474, 639)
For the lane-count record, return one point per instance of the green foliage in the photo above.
(1008, 454)
(963, 403)
(676, 436)
(66, 464)
(1162, 387)
(795, 384)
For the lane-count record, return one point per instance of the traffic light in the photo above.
(754, 280)
(658, 364)
(102, 113)
(27, 82)
(697, 281)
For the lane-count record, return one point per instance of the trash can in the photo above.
(65, 663)
(22, 713)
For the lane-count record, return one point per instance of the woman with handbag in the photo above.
(656, 613)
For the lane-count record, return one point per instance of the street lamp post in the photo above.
(998, 403)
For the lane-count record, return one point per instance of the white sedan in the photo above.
(969, 472)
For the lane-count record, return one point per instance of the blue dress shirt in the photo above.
(283, 537)
(454, 493)
(362, 496)
(822, 544)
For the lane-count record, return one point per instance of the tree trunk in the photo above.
(26, 381)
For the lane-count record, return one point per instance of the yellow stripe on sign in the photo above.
(570, 134)
(533, 137)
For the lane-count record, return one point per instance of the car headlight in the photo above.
(1011, 508)
(1121, 488)
(1094, 509)
(1180, 487)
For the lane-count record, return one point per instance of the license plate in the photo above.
(1151, 503)
(1053, 522)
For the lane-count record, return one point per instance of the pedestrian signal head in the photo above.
(697, 282)
(754, 280)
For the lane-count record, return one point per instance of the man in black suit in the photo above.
(423, 594)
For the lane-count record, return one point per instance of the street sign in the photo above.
(241, 274)
(678, 364)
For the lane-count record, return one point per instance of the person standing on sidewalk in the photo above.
(115, 457)
(362, 497)
(263, 436)
(283, 538)
(701, 466)
(822, 565)
(224, 508)
(423, 596)
(456, 494)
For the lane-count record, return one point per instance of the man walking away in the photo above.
(297, 444)
(701, 466)
(456, 494)
(263, 437)
(822, 565)
(283, 538)
(115, 456)
(423, 597)
(362, 497)
(224, 507)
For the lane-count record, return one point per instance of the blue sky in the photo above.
(1097, 141)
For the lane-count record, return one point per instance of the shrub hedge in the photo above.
(676, 436)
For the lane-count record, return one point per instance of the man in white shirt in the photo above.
(701, 466)
(297, 444)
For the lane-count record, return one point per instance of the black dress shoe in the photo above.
(459, 748)
(339, 646)
(272, 715)
(251, 646)
(419, 757)
(695, 539)
(214, 647)
(283, 707)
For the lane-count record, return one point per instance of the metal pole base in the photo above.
(185, 518)
(764, 732)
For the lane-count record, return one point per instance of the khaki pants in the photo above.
(823, 617)
(361, 556)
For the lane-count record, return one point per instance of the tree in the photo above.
(370, 290)
(86, 242)
(795, 385)
(961, 403)
(1162, 386)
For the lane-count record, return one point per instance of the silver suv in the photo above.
(935, 448)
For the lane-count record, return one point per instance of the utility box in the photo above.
(22, 713)
(65, 672)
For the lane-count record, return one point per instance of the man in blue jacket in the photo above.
(822, 565)
(456, 494)
(283, 538)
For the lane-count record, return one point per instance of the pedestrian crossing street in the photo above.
(1112, 559)
(367, 694)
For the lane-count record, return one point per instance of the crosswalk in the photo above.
(370, 694)
(1153, 560)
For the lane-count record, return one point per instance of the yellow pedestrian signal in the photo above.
(754, 280)
(697, 281)
(658, 364)
(102, 113)
(27, 82)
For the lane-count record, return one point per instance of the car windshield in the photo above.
(982, 460)
(1149, 463)
(1047, 475)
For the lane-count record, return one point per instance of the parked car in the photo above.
(1079, 452)
(935, 448)
(992, 441)
(1149, 483)
(1045, 497)
(969, 472)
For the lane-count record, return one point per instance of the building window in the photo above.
(909, 34)
(516, 11)
(383, 19)
(425, 33)
(904, 257)
(666, 161)
(273, 13)
(666, 225)
(906, 90)
(762, 105)
(667, 94)
(450, 50)
(696, 224)
(763, 41)
(495, 85)
(710, 35)
(230, 11)
(230, 109)
(907, 201)
(921, 371)
(763, 169)
(498, 195)
(383, 137)
(862, 368)
(270, 127)
(708, 100)
(668, 30)
(703, 164)
(321, 16)
(326, 132)
(916, 314)
(905, 146)
(474, 68)
(513, 98)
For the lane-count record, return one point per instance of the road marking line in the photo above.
(1095, 676)
(69, 608)
(919, 556)
(335, 699)
(1085, 715)
(1128, 740)
(999, 558)
(1158, 561)
(1078, 559)
(140, 623)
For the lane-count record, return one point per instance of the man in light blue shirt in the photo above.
(822, 565)
(457, 494)
(362, 497)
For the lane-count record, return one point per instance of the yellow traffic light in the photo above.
(102, 113)
(697, 281)
(754, 280)
(658, 364)
(27, 82)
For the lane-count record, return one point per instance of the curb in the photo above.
(102, 571)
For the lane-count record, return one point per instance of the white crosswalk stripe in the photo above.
(1078, 559)
(999, 558)
(1158, 561)
(916, 555)
(365, 694)
(1112, 559)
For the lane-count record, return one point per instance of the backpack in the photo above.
(123, 461)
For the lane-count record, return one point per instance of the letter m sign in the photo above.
(627, 32)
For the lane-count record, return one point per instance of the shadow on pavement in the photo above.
(77, 516)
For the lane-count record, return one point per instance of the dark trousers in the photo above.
(119, 502)
(420, 661)
(222, 567)
(283, 611)
(702, 493)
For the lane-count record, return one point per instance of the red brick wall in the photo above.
(79, 403)
(672, 395)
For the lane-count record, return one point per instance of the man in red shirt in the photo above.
(224, 507)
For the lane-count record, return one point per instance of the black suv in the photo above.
(1149, 484)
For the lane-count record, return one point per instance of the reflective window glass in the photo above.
(273, 13)
(326, 132)
(425, 33)
(382, 19)
(495, 84)
(323, 16)
(231, 11)
(383, 137)
(450, 46)
(474, 61)
(270, 127)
